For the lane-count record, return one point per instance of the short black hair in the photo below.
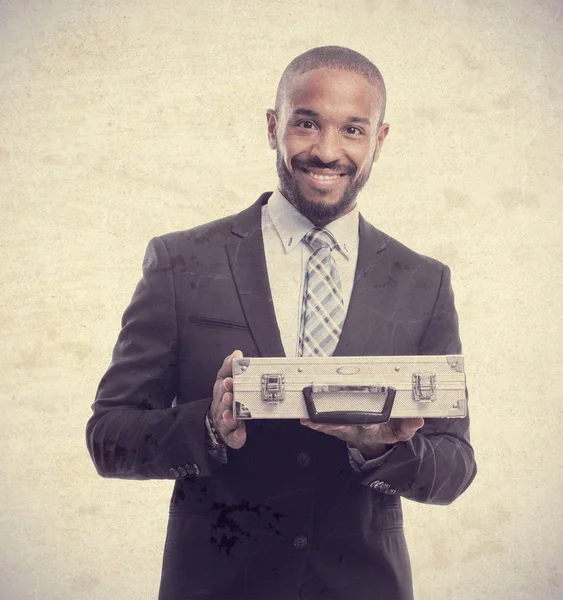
(333, 57)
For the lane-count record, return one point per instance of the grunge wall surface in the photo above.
(123, 120)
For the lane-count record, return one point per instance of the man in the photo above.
(284, 509)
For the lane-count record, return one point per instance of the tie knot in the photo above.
(318, 238)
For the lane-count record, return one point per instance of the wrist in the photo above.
(373, 450)
(211, 431)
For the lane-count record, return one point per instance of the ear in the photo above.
(272, 119)
(381, 135)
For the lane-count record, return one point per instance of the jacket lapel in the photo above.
(373, 292)
(248, 267)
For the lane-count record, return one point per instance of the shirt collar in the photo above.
(291, 225)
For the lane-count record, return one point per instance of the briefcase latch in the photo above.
(424, 387)
(273, 388)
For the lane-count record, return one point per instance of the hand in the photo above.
(231, 431)
(371, 440)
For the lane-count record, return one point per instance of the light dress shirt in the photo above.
(287, 255)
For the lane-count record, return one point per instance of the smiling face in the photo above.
(327, 136)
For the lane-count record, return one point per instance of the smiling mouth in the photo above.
(319, 177)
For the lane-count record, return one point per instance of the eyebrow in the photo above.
(306, 112)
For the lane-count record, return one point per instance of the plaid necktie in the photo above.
(323, 308)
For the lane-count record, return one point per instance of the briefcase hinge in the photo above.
(273, 388)
(424, 387)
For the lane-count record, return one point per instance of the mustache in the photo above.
(316, 163)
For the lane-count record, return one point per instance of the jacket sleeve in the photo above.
(437, 465)
(135, 431)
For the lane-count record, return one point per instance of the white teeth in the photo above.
(323, 177)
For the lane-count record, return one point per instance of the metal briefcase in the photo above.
(349, 390)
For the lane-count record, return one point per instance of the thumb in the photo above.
(414, 423)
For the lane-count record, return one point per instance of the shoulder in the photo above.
(401, 256)
(207, 241)
(177, 248)
(214, 232)
(410, 258)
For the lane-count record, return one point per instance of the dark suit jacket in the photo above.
(287, 517)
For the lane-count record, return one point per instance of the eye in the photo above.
(354, 130)
(306, 125)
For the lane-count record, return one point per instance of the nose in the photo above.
(327, 146)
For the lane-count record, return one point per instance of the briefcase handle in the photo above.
(349, 417)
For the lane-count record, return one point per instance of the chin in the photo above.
(318, 211)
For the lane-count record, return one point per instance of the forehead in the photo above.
(332, 93)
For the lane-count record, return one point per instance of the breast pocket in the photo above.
(213, 339)
(218, 323)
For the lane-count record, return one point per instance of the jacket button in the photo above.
(300, 542)
(303, 459)
(174, 472)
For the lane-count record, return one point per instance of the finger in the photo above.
(405, 429)
(226, 369)
(227, 399)
(318, 426)
(219, 396)
(228, 384)
(326, 428)
(413, 424)
(236, 438)
(228, 419)
(232, 432)
(413, 421)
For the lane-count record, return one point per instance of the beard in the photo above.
(319, 213)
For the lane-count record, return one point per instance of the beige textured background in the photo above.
(127, 119)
